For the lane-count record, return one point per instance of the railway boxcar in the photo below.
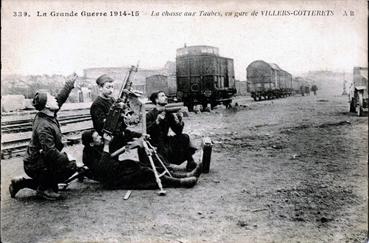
(204, 77)
(268, 80)
(155, 83)
(161, 82)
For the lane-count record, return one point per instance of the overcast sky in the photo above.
(48, 45)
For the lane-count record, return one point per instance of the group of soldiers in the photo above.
(47, 165)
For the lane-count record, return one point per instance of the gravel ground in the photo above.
(288, 170)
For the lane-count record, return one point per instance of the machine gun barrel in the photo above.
(127, 84)
(114, 118)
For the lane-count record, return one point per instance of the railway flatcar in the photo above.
(204, 77)
(268, 81)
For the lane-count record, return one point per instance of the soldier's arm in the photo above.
(64, 93)
(98, 117)
(175, 124)
(132, 134)
(47, 142)
(151, 124)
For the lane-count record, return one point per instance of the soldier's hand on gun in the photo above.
(121, 104)
(107, 138)
(137, 142)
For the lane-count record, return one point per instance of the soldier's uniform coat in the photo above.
(44, 162)
(176, 149)
(99, 112)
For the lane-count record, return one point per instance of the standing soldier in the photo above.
(44, 162)
(314, 88)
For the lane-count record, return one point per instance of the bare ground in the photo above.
(287, 170)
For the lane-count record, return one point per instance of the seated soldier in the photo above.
(44, 162)
(100, 110)
(176, 149)
(126, 174)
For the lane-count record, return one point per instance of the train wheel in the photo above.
(205, 107)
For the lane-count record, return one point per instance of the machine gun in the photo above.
(120, 108)
(150, 150)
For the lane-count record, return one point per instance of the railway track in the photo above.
(25, 125)
(16, 147)
(16, 133)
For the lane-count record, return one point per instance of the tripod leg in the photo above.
(162, 164)
(157, 156)
(158, 181)
(77, 175)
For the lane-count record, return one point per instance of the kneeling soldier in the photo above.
(44, 162)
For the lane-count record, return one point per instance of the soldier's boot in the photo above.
(188, 182)
(16, 184)
(195, 172)
(48, 194)
(191, 164)
(179, 182)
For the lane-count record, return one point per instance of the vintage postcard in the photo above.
(184, 121)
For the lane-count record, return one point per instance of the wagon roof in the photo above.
(274, 66)
(271, 65)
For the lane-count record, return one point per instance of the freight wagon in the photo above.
(268, 81)
(164, 83)
(204, 77)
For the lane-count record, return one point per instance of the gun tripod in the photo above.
(150, 151)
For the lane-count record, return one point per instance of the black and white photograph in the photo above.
(184, 121)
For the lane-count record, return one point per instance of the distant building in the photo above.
(12, 103)
(80, 95)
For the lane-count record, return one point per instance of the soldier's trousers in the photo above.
(48, 178)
